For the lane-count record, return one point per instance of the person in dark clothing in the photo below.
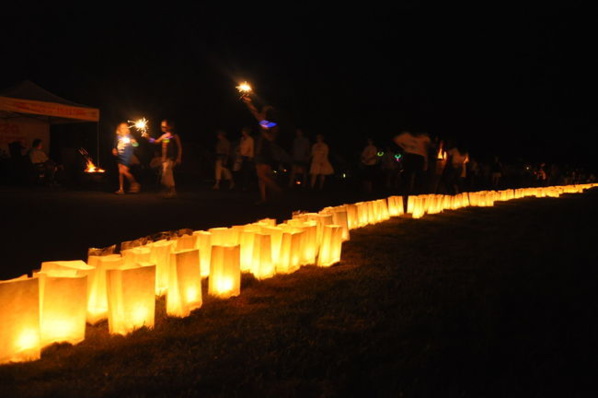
(496, 172)
(264, 165)
(264, 159)
(415, 148)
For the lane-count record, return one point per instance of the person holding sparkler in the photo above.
(172, 151)
(265, 163)
(124, 150)
(264, 157)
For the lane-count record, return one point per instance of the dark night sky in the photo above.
(516, 81)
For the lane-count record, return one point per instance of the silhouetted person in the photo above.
(496, 173)
(265, 164)
(300, 155)
(437, 160)
(265, 159)
(415, 148)
(390, 169)
(455, 170)
(368, 162)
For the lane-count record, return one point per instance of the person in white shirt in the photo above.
(42, 163)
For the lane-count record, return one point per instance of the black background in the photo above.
(517, 81)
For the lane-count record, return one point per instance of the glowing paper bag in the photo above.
(97, 308)
(225, 271)
(131, 298)
(262, 265)
(330, 248)
(160, 256)
(184, 283)
(63, 306)
(81, 268)
(19, 320)
(135, 255)
(203, 243)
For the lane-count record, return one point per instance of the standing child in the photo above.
(124, 150)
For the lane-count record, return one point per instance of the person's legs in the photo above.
(50, 168)
(271, 184)
(228, 175)
(367, 185)
(322, 180)
(217, 173)
(244, 174)
(367, 182)
(250, 174)
(261, 170)
(408, 181)
(267, 184)
(419, 179)
(168, 177)
(303, 172)
(293, 175)
(133, 185)
(121, 179)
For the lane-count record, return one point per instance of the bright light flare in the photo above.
(244, 88)
(141, 125)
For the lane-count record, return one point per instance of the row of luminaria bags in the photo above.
(55, 303)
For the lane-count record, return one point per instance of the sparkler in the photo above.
(141, 125)
(245, 89)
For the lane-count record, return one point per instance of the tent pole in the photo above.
(98, 143)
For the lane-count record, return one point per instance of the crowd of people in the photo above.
(253, 160)
(408, 163)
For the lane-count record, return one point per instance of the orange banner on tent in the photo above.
(49, 109)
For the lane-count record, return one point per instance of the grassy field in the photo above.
(478, 302)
